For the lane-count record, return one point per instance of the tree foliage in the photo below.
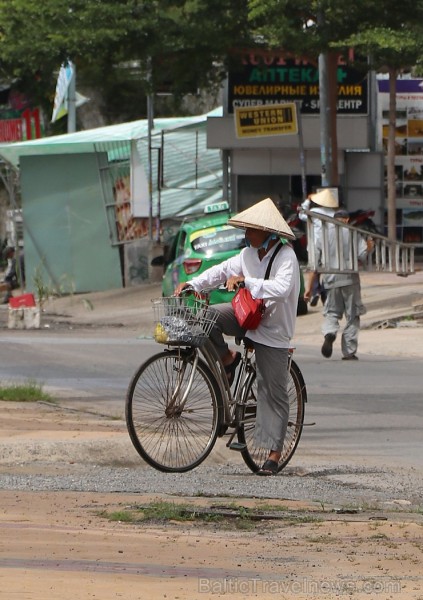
(387, 34)
(388, 29)
(130, 48)
(391, 35)
(141, 45)
(305, 27)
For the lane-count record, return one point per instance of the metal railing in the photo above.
(388, 256)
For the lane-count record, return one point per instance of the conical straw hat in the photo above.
(263, 215)
(325, 198)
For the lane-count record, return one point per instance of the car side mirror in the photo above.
(158, 261)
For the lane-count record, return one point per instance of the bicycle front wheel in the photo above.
(254, 456)
(173, 410)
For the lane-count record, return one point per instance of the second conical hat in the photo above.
(325, 198)
(263, 215)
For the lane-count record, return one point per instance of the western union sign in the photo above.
(261, 121)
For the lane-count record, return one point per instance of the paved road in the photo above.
(367, 413)
(367, 437)
(73, 366)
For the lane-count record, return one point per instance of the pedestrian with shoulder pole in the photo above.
(343, 292)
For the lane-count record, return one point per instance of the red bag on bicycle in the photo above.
(248, 310)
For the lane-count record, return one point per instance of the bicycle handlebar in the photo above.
(189, 289)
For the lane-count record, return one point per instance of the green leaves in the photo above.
(389, 29)
(187, 41)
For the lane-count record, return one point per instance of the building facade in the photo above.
(285, 167)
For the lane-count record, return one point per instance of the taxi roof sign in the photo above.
(216, 207)
(267, 120)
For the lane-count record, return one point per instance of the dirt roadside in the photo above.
(60, 545)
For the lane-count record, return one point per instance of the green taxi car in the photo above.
(200, 244)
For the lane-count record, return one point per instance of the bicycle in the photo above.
(179, 401)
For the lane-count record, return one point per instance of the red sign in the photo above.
(28, 127)
(11, 130)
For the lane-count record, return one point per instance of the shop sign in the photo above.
(408, 154)
(262, 121)
(263, 79)
(11, 130)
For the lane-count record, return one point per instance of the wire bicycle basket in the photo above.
(182, 320)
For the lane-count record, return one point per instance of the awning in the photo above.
(84, 141)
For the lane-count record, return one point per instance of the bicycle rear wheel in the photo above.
(254, 456)
(169, 435)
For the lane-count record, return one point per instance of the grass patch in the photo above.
(233, 516)
(320, 539)
(156, 512)
(167, 511)
(379, 536)
(30, 391)
(272, 507)
(123, 516)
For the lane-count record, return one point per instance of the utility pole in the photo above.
(301, 148)
(150, 127)
(72, 101)
(325, 122)
(150, 122)
(325, 148)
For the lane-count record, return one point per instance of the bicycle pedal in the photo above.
(237, 446)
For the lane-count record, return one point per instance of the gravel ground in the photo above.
(342, 486)
(53, 448)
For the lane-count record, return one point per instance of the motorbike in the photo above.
(299, 229)
(363, 219)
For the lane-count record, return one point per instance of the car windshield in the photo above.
(223, 238)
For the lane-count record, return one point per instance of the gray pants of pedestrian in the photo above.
(342, 301)
(272, 380)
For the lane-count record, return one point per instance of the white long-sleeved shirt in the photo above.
(280, 291)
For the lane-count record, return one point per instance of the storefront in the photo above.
(277, 165)
(408, 155)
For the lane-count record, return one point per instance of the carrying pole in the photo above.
(72, 101)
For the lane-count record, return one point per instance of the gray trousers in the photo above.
(272, 380)
(342, 301)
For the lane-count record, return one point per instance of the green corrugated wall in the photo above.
(66, 236)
